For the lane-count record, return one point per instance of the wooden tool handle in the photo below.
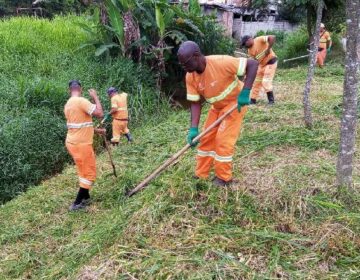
(174, 157)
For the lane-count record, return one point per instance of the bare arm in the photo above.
(251, 70)
(271, 41)
(98, 113)
(195, 113)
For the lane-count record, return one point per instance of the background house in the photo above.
(239, 18)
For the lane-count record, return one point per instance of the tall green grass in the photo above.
(38, 58)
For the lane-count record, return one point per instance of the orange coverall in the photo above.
(120, 117)
(220, 86)
(266, 72)
(321, 55)
(79, 139)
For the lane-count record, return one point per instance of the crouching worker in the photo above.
(215, 78)
(120, 115)
(79, 140)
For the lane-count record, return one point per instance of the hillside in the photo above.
(284, 219)
(36, 66)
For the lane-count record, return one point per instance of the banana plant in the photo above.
(116, 22)
(118, 30)
(99, 37)
(164, 17)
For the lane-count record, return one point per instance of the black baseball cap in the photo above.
(74, 83)
(244, 40)
(111, 90)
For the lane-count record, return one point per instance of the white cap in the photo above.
(322, 25)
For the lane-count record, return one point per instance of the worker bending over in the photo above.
(215, 78)
(325, 45)
(260, 48)
(120, 115)
(79, 140)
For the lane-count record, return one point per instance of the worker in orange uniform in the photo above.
(325, 45)
(120, 115)
(260, 48)
(215, 78)
(79, 140)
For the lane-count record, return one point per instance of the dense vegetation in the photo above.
(36, 65)
(294, 44)
(282, 221)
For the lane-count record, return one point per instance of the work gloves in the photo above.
(328, 50)
(243, 98)
(193, 132)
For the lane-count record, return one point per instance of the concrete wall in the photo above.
(227, 19)
(241, 28)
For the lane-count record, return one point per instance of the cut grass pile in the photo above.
(283, 220)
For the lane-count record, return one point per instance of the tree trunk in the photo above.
(131, 34)
(344, 166)
(312, 64)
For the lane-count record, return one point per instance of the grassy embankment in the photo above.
(38, 58)
(283, 220)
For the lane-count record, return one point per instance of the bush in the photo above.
(31, 148)
(296, 43)
(43, 95)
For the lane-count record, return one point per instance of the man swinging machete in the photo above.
(215, 78)
(79, 140)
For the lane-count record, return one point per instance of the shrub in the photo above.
(296, 43)
(42, 94)
(31, 148)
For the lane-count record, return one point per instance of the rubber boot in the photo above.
(221, 183)
(129, 137)
(252, 101)
(270, 96)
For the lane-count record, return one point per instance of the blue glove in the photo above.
(193, 132)
(243, 98)
(328, 50)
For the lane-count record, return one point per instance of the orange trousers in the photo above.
(264, 79)
(119, 127)
(217, 147)
(84, 158)
(320, 58)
